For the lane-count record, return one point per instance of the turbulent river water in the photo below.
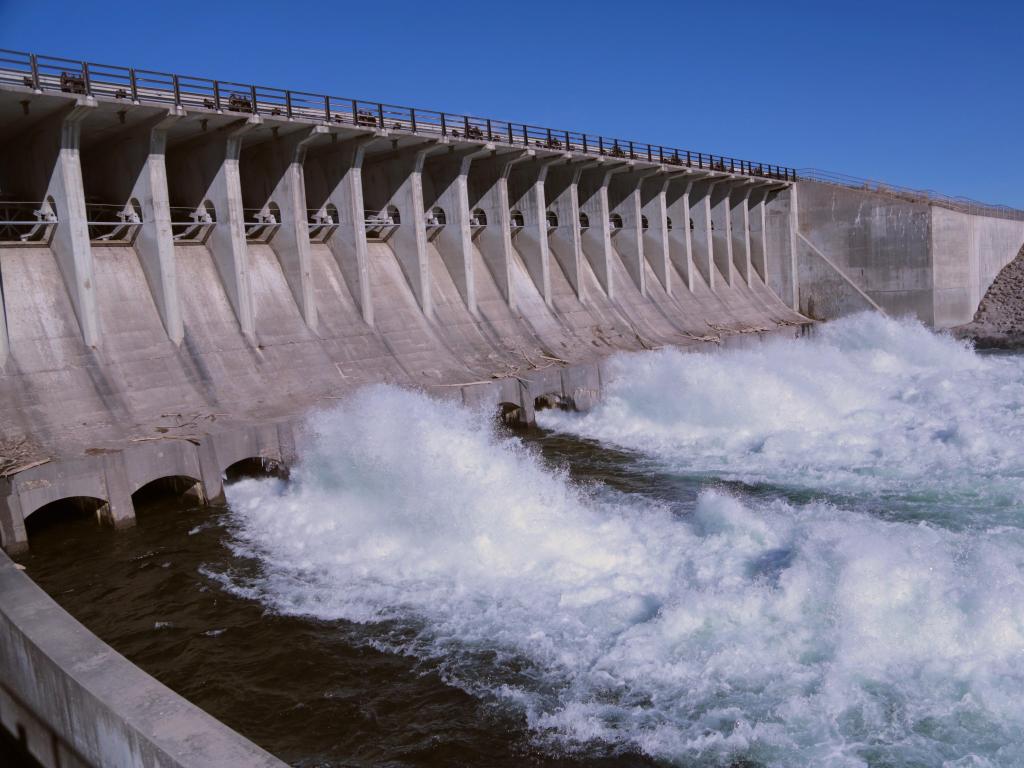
(805, 553)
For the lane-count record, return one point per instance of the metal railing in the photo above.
(191, 226)
(26, 223)
(50, 73)
(381, 225)
(962, 204)
(113, 224)
(322, 223)
(261, 224)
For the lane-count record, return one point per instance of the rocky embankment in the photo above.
(999, 321)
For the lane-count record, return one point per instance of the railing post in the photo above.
(465, 120)
(661, 154)
(177, 90)
(444, 129)
(689, 160)
(85, 77)
(631, 155)
(490, 136)
(600, 144)
(34, 60)
(510, 138)
(216, 95)
(252, 93)
(288, 103)
(412, 119)
(380, 115)
(649, 155)
(585, 143)
(526, 137)
(549, 138)
(135, 84)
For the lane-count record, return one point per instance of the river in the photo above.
(804, 553)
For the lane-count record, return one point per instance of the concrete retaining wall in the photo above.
(74, 702)
(863, 249)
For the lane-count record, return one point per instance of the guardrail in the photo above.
(26, 223)
(52, 73)
(962, 204)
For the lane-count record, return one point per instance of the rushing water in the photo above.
(804, 553)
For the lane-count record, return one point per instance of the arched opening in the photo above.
(644, 224)
(668, 223)
(584, 221)
(436, 217)
(164, 490)
(516, 218)
(26, 223)
(261, 224)
(323, 223)
(511, 415)
(381, 225)
(552, 218)
(477, 222)
(552, 400)
(692, 227)
(110, 225)
(193, 225)
(255, 467)
(74, 512)
(615, 222)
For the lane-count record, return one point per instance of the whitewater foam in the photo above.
(782, 634)
(869, 407)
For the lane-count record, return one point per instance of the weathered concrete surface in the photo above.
(124, 363)
(81, 703)
(999, 321)
(860, 249)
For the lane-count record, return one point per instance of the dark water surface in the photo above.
(313, 693)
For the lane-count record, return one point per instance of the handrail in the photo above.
(930, 196)
(49, 73)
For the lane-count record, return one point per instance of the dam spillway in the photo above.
(194, 259)
(189, 265)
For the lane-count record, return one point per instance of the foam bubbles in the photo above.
(782, 634)
(869, 407)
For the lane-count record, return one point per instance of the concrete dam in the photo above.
(189, 266)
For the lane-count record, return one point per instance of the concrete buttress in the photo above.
(680, 236)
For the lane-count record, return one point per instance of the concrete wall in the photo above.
(106, 345)
(968, 252)
(79, 703)
(858, 249)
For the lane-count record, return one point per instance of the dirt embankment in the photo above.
(999, 321)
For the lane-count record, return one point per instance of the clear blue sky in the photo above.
(925, 94)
